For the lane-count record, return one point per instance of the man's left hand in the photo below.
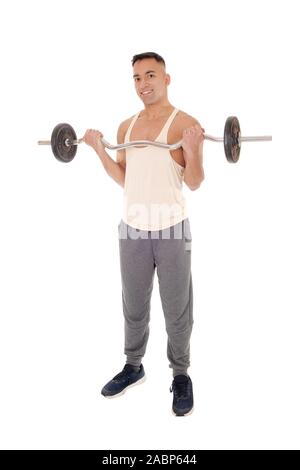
(192, 139)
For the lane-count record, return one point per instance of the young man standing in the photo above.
(154, 232)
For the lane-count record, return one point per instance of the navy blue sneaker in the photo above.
(183, 400)
(121, 382)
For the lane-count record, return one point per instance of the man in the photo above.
(150, 232)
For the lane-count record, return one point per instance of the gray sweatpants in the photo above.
(168, 251)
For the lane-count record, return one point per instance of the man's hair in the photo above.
(148, 55)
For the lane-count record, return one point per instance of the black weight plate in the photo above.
(232, 133)
(60, 134)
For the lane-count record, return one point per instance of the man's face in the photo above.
(151, 80)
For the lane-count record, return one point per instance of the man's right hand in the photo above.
(92, 137)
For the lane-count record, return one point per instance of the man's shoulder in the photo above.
(185, 120)
(124, 126)
(127, 121)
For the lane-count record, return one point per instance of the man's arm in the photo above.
(116, 170)
(121, 154)
(193, 155)
(194, 172)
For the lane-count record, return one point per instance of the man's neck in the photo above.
(155, 111)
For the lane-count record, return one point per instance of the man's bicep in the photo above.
(121, 154)
(121, 157)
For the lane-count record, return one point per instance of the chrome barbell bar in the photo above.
(138, 143)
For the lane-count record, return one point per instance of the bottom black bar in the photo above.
(134, 458)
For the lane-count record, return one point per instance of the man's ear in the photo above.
(168, 79)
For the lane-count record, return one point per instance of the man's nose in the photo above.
(143, 83)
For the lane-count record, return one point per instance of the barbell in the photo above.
(64, 141)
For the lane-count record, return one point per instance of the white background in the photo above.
(61, 336)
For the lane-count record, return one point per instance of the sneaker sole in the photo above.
(138, 382)
(186, 414)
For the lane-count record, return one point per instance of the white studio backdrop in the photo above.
(61, 324)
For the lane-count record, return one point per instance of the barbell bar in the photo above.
(64, 141)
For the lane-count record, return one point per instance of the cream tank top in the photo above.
(152, 198)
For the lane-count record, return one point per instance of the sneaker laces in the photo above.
(180, 386)
(123, 374)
